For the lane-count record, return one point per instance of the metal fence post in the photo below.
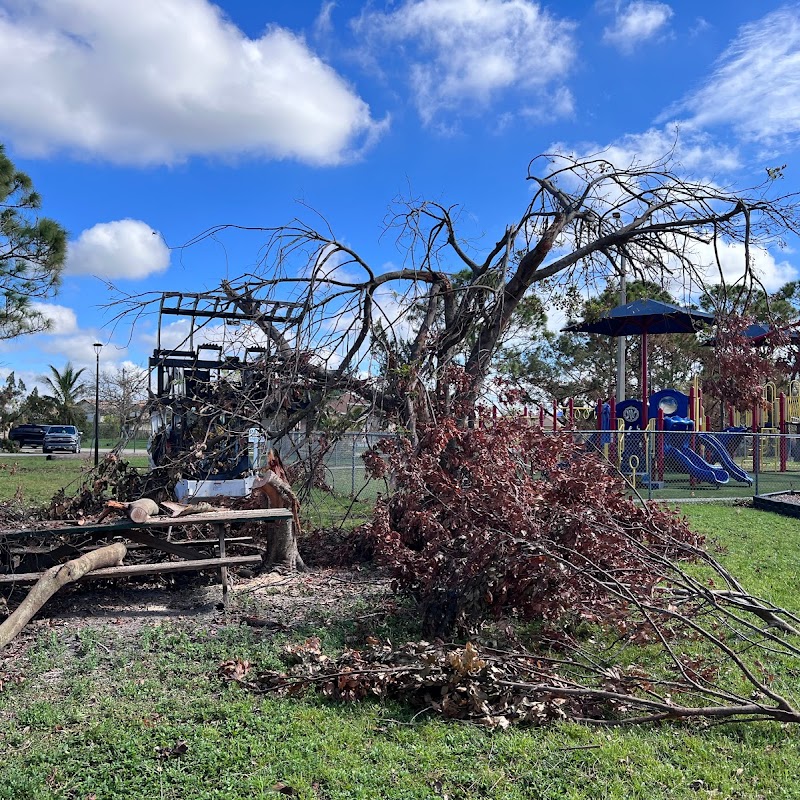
(353, 467)
(756, 461)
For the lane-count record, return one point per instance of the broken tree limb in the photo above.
(184, 510)
(277, 493)
(52, 580)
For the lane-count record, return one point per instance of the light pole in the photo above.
(97, 348)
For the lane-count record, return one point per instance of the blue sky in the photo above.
(144, 122)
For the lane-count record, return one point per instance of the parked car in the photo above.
(62, 437)
(30, 434)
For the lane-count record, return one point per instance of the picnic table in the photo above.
(153, 533)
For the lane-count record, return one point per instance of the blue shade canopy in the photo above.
(759, 334)
(644, 317)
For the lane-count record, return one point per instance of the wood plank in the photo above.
(39, 550)
(248, 515)
(142, 537)
(200, 565)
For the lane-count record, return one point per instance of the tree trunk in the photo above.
(52, 580)
(275, 492)
(283, 553)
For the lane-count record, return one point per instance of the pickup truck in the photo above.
(62, 437)
(29, 434)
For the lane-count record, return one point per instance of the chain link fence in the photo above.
(675, 465)
(659, 465)
(336, 489)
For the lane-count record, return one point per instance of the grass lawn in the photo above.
(36, 479)
(108, 714)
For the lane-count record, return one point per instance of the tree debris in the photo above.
(52, 580)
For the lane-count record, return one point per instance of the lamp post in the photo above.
(97, 348)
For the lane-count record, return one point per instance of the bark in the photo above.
(283, 553)
(52, 580)
(275, 492)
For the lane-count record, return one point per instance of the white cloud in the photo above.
(126, 248)
(461, 54)
(63, 320)
(688, 149)
(772, 273)
(159, 81)
(636, 23)
(78, 349)
(755, 87)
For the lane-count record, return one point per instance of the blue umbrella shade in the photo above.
(759, 334)
(644, 316)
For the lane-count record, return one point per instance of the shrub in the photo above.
(507, 519)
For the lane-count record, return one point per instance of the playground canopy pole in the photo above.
(644, 379)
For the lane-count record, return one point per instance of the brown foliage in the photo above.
(740, 368)
(482, 518)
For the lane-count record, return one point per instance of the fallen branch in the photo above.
(52, 580)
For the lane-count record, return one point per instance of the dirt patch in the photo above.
(320, 596)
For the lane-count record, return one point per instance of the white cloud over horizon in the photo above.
(122, 249)
(769, 270)
(160, 81)
(463, 53)
(636, 23)
(686, 149)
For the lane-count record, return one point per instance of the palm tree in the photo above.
(67, 393)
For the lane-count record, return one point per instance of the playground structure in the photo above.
(678, 448)
(668, 433)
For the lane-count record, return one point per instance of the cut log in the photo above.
(137, 510)
(52, 580)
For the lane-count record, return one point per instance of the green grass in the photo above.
(95, 706)
(139, 445)
(760, 548)
(96, 727)
(37, 479)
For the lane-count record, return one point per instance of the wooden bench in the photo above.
(144, 533)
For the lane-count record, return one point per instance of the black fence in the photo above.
(681, 464)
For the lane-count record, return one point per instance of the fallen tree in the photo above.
(329, 323)
(611, 612)
(54, 579)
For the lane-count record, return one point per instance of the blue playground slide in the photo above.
(696, 466)
(720, 451)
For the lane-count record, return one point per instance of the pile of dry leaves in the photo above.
(486, 686)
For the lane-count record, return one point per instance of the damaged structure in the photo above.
(219, 396)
